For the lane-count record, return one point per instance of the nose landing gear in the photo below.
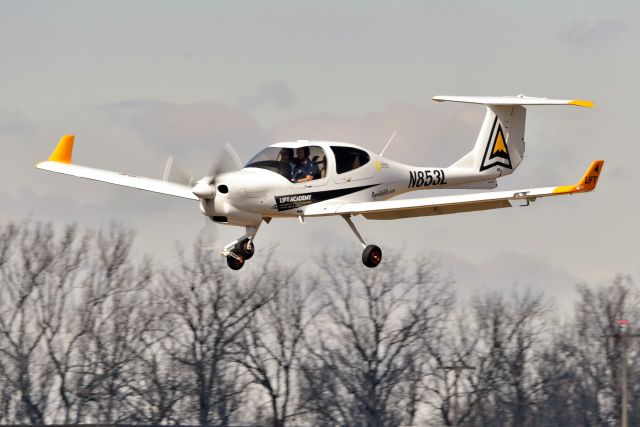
(240, 250)
(235, 261)
(372, 254)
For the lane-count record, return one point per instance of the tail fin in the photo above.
(500, 146)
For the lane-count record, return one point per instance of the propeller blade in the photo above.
(209, 235)
(228, 161)
(173, 173)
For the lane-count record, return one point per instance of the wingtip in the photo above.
(63, 151)
(582, 103)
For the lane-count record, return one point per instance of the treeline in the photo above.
(91, 334)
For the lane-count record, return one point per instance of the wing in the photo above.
(407, 208)
(60, 162)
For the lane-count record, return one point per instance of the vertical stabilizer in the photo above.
(500, 146)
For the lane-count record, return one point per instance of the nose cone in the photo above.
(203, 189)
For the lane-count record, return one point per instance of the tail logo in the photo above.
(496, 152)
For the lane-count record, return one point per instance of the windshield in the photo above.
(278, 160)
(298, 165)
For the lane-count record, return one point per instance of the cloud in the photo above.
(191, 130)
(271, 94)
(585, 34)
(507, 270)
(14, 123)
(425, 136)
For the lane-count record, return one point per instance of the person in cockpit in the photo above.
(305, 168)
(286, 157)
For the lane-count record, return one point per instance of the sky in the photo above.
(139, 81)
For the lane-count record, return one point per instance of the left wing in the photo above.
(407, 208)
(60, 162)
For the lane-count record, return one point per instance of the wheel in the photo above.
(234, 263)
(372, 256)
(242, 248)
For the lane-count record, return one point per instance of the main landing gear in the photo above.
(372, 254)
(240, 250)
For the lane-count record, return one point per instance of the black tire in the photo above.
(242, 249)
(371, 256)
(234, 263)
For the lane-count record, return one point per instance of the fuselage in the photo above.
(263, 189)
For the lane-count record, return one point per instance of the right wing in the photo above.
(60, 162)
(407, 208)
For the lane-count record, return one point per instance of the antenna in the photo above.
(389, 142)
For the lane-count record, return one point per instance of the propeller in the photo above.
(228, 161)
(205, 188)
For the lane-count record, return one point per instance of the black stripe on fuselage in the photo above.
(293, 201)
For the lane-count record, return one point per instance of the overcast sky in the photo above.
(139, 81)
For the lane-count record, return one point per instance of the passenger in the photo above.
(286, 157)
(305, 168)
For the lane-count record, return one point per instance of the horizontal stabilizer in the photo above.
(513, 100)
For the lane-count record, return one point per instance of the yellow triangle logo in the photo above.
(496, 152)
(499, 145)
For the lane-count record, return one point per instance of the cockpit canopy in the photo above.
(288, 160)
(283, 160)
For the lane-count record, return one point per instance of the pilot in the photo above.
(286, 157)
(305, 168)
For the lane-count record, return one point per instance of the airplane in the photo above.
(337, 178)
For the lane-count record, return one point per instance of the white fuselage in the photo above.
(254, 193)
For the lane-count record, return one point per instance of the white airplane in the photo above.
(335, 178)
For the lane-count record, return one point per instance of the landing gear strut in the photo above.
(240, 250)
(372, 254)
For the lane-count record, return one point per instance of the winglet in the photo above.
(582, 103)
(63, 150)
(587, 183)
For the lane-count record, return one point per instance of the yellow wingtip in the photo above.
(63, 151)
(582, 103)
(587, 183)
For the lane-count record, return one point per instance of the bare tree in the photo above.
(209, 307)
(592, 345)
(368, 344)
(89, 333)
(510, 335)
(116, 322)
(271, 345)
(35, 267)
(159, 382)
(449, 371)
(56, 309)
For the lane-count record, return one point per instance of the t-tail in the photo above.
(500, 146)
